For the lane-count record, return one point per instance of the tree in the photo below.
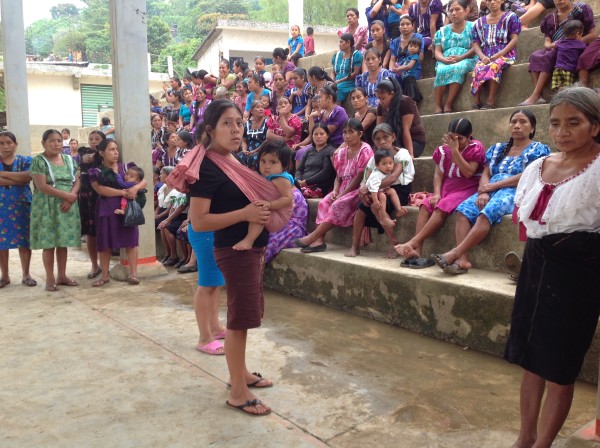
(70, 40)
(183, 57)
(39, 36)
(159, 36)
(64, 10)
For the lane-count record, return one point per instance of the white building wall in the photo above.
(249, 43)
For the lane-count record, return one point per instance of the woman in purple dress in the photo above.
(427, 18)
(111, 232)
(541, 62)
(494, 40)
(295, 228)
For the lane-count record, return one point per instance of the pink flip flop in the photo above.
(220, 335)
(212, 348)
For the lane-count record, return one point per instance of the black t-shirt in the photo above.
(225, 197)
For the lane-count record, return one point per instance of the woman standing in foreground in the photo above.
(219, 205)
(54, 224)
(556, 305)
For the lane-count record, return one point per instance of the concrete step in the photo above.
(471, 310)
(529, 40)
(488, 255)
(489, 126)
(516, 87)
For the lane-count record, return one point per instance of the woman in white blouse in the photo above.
(557, 302)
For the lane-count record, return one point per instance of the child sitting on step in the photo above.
(274, 157)
(384, 163)
(569, 48)
(409, 69)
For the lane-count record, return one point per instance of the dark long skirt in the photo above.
(557, 305)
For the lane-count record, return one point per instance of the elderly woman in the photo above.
(495, 196)
(494, 40)
(359, 32)
(339, 207)
(454, 55)
(400, 180)
(346, 65)
(15, 205)
(401, 113)
(556, 304)
(542, 62)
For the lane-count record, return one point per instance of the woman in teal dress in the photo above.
(346, 65)
(55, 223)
(15, 203)
(454, 54)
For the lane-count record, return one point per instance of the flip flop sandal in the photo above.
(133, 280)
(94, 274)
(212, 348)
(68, 283)
(407, 262)
(242, 407)
(420, 263)
(100, 282)
(29, 282)
(454, 269)
(51, 288)
(440, 260)
(255, 383)
(4, 283)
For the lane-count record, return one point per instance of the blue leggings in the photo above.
(208, 271)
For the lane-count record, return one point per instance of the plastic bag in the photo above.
(134, 216)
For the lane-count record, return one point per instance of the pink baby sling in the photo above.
(253, 185)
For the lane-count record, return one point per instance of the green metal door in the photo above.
(93, 100)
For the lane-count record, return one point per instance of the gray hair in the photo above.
(583, 99)
(383, 127)
(167, 169)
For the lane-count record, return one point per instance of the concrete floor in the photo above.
(115, 366)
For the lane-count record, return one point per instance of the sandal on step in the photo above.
(29, 282)
(100, 282)
(440, 260)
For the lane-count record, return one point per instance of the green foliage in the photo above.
(316, 12)
(64, 10)
(39, 36)
(182, 54)
(66, 40)
(159, 35)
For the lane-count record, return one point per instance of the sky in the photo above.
(40, 9)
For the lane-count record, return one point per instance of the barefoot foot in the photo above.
(243, 245)
(391, 253)
(407, 251)
(352, 252)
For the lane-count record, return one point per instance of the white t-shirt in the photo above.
(166, 199)
(408, 167)
(574, 204)
(374, 180)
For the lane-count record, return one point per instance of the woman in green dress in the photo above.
(55, 223)
(454, 54)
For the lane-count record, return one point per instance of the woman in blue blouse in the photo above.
(346, 65)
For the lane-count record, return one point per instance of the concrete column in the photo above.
(15, 73)
(132, 112)
(296, 13)
(361, 6)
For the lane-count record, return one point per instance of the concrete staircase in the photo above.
(472, 310)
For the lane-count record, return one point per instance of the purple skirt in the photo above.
(111, 232)
(590, 57)
(542, 60)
